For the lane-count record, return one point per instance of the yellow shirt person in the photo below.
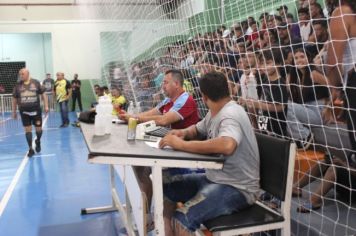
(117, 100)
(61, 89)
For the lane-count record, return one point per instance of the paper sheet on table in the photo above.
(156, 144)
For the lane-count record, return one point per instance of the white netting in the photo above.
(297, 93)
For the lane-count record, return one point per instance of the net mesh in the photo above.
(279, 57)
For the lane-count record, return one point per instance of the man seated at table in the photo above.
(226, 130)
(178, 110)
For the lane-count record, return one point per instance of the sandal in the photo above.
(308, 207)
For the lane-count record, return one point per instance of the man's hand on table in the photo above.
(178, 132)
(172, 141)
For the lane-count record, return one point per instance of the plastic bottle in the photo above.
(138, 108)
(108, 114)
(252, 87)
(99, 126)
(131, 108)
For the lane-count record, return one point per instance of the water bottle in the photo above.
(138, 108)
(131, 108)
(108, 107)
(99, 126)
(252, 87)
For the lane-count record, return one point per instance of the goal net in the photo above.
(277, 56)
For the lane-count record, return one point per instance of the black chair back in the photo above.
(274, 158)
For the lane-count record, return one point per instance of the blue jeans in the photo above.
(63, 107)
(302, 117)
(203, 200)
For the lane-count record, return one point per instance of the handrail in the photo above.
(6, 102)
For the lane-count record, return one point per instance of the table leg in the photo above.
(158, 199)
(104, 209)
(116, 205)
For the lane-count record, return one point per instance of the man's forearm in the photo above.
(221, 145)
(14, 105)
(45, 100)
(156, 118)
(190, 133)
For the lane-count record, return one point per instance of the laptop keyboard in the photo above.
(160, 132)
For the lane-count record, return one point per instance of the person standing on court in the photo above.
(63, 91)
(48, 85)
(26, 96)
(76, 93)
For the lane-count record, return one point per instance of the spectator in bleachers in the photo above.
(308, 95)
(316, 11)
(285, 37)
(249, 30)
(144, 94)
(263, 20)
(304, 24)
(238, 35)
(283, 11)
(252, 39)
(269, 38)
(249, 64)
(271, 107)
(302, 3)
(225, 130)
(245, 27)
(318, 37)
(293, 26)
(305, 3)
(274, 21)
(271, 23)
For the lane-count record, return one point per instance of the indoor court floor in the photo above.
(46, 197)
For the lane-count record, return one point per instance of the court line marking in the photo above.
(46, 155)
(4, 201)
(3, 121)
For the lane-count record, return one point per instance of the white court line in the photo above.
(16, 178)
(47, 155)
(3, 121)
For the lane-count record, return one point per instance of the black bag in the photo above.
(87, 117)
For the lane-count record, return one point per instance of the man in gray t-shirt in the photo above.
(48, 84)
(226, 130)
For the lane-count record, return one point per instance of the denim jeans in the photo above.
(63, 107)
(203, 199)
(301, 117)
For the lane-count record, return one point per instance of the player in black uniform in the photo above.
(26, 96)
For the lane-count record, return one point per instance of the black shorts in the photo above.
(31, 118)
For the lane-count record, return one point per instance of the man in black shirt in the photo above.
(76, 93)
(26, 96)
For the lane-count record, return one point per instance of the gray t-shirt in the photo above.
(241, 169)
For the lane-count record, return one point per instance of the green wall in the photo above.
(87, 95)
